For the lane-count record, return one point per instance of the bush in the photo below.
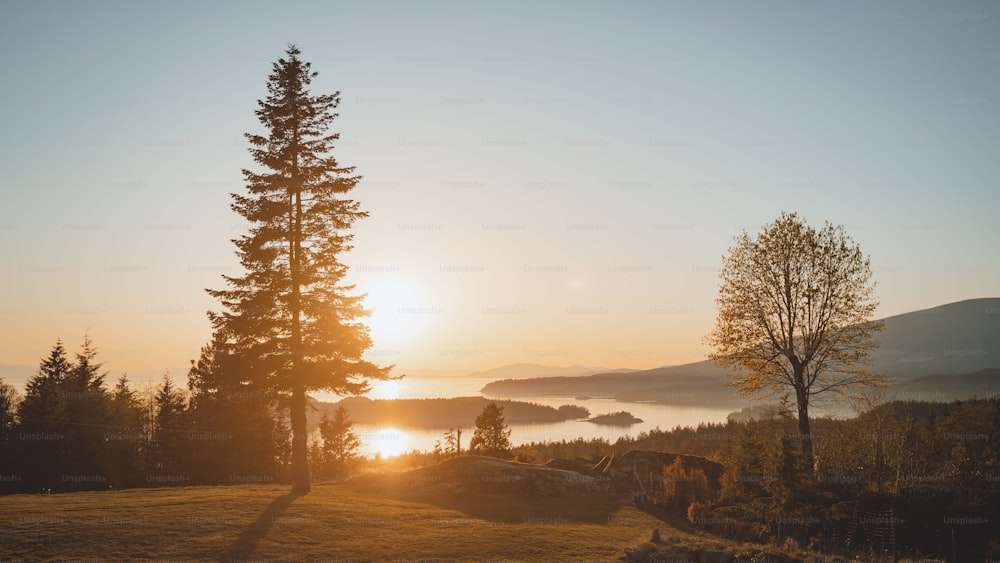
(683, 486)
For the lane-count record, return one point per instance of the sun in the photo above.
(386, 389)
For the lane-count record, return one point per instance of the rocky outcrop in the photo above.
(557, 478)
(476, 474)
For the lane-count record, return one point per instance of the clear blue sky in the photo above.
(548, 182)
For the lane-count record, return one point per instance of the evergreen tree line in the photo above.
(72, 431)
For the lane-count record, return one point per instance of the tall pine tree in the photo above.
(291, 314)
(87, 414)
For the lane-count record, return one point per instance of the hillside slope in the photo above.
(954, 339)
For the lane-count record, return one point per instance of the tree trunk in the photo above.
(300, 455)
(300, 462)
(802, 400)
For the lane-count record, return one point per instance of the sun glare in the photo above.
(398, 310)
(386, 390)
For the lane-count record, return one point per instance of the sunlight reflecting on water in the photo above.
(383, 441)
(393, 441)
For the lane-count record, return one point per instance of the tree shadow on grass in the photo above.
(248, 539)
(498, 491)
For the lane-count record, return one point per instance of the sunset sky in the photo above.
(550, 183)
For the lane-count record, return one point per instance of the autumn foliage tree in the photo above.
(683, 486)
(291, 315)
(795, 308)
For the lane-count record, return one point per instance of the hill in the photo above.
(477, 474)
(951, 339)
(954, 339)
(981, 384)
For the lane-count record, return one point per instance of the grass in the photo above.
(335, 522)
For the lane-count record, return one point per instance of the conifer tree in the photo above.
(8, 418)
(453, 442)
(169, 443)
(8, 411)
(237, 424)
(491, 436)
(291, 314)
(62, 421)
(87, 411)
(340, 443)
(125, 435)
(42, 409)
(41, 431)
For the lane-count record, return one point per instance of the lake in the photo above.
(389, 441)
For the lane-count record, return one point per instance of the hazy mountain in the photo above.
(523, 370)
(981, 384)
(687, 384)
(951, 339)
(958, 338)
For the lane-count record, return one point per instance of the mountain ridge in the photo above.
(956, 338)
(519, 368)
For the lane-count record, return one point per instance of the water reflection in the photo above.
(400, 439)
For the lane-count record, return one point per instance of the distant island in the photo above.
(620, 418)
(444, 413)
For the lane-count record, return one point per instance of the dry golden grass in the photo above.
(334, 522)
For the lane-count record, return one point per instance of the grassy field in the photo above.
(335, 522)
